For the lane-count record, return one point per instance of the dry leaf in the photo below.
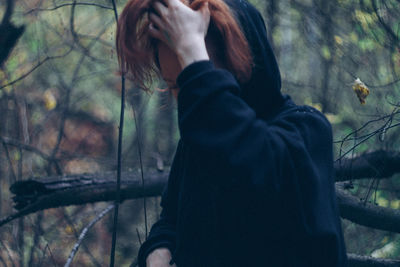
(361, 90)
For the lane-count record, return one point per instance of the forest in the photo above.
(85, 154)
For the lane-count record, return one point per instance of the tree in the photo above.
(60, 99)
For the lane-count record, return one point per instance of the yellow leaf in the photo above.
(338, 40)
(69, 230)
(50, 100)
(361, 90)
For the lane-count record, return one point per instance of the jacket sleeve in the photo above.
(163, 232)
(212, 118)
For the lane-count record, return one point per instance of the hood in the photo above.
(263, 91)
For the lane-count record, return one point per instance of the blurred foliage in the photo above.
(63, 74)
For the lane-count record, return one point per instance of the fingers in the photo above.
(169, 3)
(156, 15)
(156, 20)
(160, 34)
(157, 26)
(156, 33)
(165, 2)
(205, 11)
(159, 8)
(171, 24)
(206, 14)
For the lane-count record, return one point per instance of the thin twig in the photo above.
(47, 247)
(119, 158)
(84, 232)
(66, 103)
(137, 232)
(37, 232)
(395, 39)
(66, 4)
(141, 168)
(363, 138)
(2, 261)
(8, 253)
(347, 137)
(74, 34)
(134, 263)
(14, 177)
(23, 76)
(18, 144)
(70, 223)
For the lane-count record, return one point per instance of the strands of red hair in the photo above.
(136, 49)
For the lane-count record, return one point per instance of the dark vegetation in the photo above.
(60, 98)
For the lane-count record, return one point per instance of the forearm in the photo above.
(192, 51)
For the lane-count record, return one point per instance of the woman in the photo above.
(251, 183)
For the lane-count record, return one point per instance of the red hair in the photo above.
(136, 49)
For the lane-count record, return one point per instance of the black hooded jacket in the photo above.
(252, 181)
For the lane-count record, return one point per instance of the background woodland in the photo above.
(60, 101)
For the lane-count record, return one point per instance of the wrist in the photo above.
(191, 52)
(159, 252)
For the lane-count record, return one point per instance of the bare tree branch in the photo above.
(395, 39)
(11, 167)
(68, 89)
(47, 247)
(366, 214)
(358, 140)
(84, 232)
(364, 261)
(119, 161)
(87, 251)
(16, 143)
(23, 76)
(8, 253)
(67, 4)
(79, 189)
(22, 146)
(37, 233)
(53, 192)
(376, 164)
(74, 34)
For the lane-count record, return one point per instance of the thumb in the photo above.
(204, 8)
(205, 11)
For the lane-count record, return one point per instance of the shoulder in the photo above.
(307, 134)
(302, 115)
(308, 123)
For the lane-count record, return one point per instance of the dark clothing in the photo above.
(244, 191)
(252, 181)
